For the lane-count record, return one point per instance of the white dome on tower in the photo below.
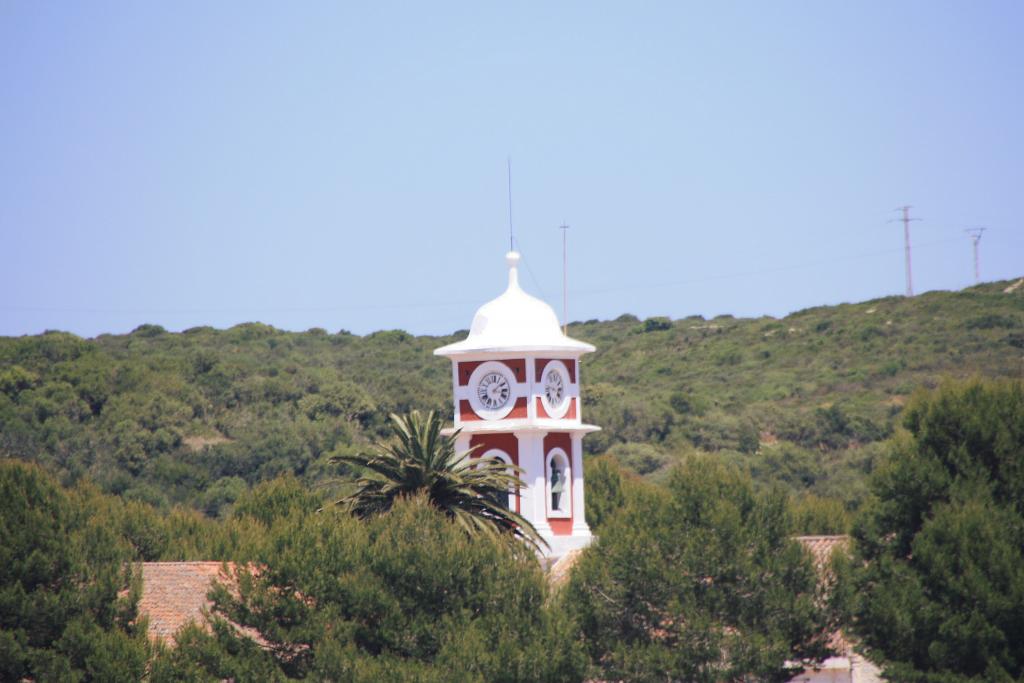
(515, 321)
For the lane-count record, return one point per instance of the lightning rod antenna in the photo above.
(511, 245)
(565, 279)
(975, 235)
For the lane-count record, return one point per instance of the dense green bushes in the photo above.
(408, 595)
(941, 592)
(697, 579)
(405, 596)
(698, 582)
(67, 598)
(402, 596)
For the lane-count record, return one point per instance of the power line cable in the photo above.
(763, 271)
(467, 302)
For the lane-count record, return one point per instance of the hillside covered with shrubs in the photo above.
(198, 417)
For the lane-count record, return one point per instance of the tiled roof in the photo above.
(821, 548)
(558, 573)
(174, 593)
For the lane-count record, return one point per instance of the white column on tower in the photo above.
(455, 393)
(531, 459)
(579, 521)
(531, 391)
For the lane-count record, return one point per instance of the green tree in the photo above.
(642, 458)
(699, 582)
(609, 487)
(401, 596)
(67, 599)
(421, 460)
(749, 439)
(813, 515)
(343, 399)
(940, 594)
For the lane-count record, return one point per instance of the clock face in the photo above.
(554, 387)
(493, 391)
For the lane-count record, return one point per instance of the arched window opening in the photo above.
(559, 484)
(507, 501)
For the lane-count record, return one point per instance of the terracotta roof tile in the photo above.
(558, 572)
(174, 594)
(822, 547)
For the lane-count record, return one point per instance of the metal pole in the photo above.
(906, 243)
(565, 281)
(977, 268)
(511, 245)
(975, 235)
(906, 247)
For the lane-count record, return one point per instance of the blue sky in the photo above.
(342, 165)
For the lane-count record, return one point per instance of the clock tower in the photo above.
(516, 381)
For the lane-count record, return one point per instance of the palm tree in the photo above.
(423, 461)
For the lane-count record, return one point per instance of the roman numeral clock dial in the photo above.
(554, 388)
(493, 391)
